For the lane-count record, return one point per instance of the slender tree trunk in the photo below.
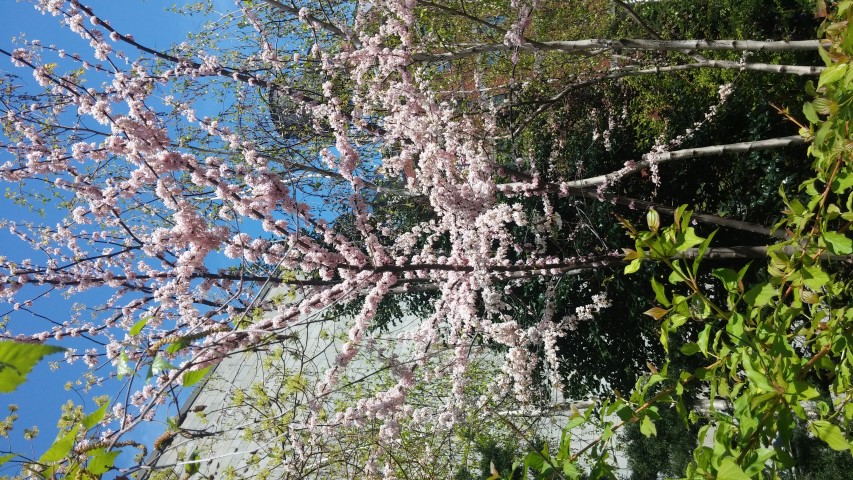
(598, 45)
(732, 65)
(699, 217)
(664, 157)
(688, 153)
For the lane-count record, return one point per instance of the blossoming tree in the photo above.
(331, 110)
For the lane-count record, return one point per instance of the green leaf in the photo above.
(676, 276)
(574, 422)
(814, 277)
(534, 460)
(756, 377)
(647, 427)
(160, 364)
(138, 326)
(728, 277)
(824, 130)
(607, 432)
(760, 294)
(844, 180)
(102, 460)
(838, 243)
(61, 446)
(832, 74)
(633, 266)
(570, 470)
(734, 326)
(17, 359)
(824, 55)
(810, 113)
(690, 240)
(660, 293)
(677, 321)
(701, 252)
(177, 346)
(703, 338)
(122, 367)
(6, 458)
(172, 424)
(93, 418)
(193, 376)
(689, 348)
(729, 470)
(831, 434)
(625, 413)
(681, 220)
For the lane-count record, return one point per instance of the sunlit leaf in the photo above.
(838, 243)
(160, 364)
(729, 470)
(61, 446)
(647, 427)
(633, 266)
(814, 277)
(831, 434)
(138, 326)
(122, 367)
(760, 294)
(17, 359)
(660, 293)
(810, 113)
(101, 460)
(193, 376)
(93, 418)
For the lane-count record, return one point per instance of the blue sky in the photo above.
(40, 398)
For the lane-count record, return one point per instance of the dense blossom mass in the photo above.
(175, 218)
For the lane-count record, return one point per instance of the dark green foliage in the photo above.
(391, 309)
(492, 454)
(604, 354)
(815, 460)
(667, 453)
(742, 19)
(611, 351)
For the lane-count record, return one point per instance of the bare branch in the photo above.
(314, 21)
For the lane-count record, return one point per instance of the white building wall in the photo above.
(219, 426)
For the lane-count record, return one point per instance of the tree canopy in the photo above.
(475, 169)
